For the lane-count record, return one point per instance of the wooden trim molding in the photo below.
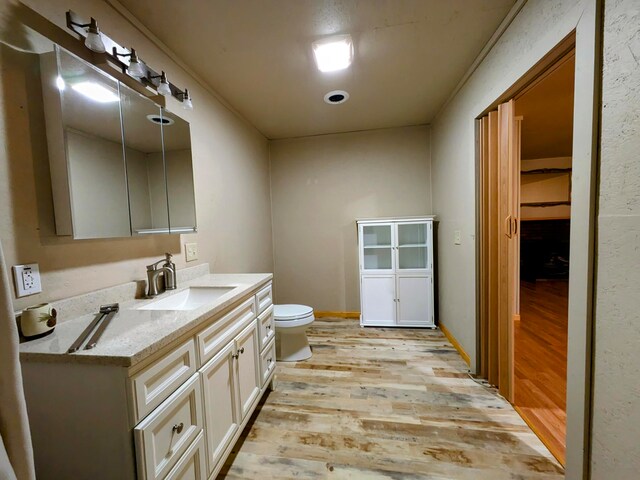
(328, 314)
(551, 446)
(456, 344)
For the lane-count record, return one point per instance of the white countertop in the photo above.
(135, 334)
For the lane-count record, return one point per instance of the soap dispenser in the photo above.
(169, 280)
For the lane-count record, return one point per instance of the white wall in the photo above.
(538, 27)
(616, 387)
(320, 185)
(230, 164)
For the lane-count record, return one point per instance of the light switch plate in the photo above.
(457, 237)
(27, 279)
(191, 251)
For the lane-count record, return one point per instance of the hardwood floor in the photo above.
(385, 404)
(541, 360)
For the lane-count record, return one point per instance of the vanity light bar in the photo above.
(113, 52)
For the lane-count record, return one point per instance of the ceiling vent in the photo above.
(336, 97)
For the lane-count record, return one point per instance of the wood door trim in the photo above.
(551, 446)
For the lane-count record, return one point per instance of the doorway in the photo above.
(525, 153)
(540, 334)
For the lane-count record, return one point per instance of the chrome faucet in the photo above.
(168, 270)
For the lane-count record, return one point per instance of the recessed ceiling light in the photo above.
(335, 97)
(157, 119)
(95, 92)
(333, 53)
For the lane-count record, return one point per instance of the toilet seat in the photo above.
(291, 316)
(291, 312)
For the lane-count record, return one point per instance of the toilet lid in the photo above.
(291, 312)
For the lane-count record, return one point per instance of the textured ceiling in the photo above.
(256, 54)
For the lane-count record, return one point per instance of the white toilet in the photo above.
(292, 322)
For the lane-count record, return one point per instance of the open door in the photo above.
(500, 210)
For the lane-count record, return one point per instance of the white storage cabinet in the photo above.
(396, 272)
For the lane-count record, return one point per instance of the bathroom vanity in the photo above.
(167, 391)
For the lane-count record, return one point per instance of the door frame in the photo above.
(585, 38)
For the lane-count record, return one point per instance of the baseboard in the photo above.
(326, 314)
(456, 344)
(550, 445)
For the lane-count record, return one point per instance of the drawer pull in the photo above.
(178, 427)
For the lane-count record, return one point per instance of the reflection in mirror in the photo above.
(90, 114)
(141, 120)
(179, 169)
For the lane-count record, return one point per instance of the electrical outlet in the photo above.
(457, 237)
(27, 279)
(191, 251)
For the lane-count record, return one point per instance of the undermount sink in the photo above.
(188, 299)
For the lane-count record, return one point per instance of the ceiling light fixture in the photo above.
(333, 53)
(96, 92)
(136, 68)
(336, 97)
(60, 83)
(93, 40)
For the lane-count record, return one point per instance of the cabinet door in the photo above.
(415, 300)
(220, 409)
(248, 367)
(376, 248)
(378, 299)
(414, 246)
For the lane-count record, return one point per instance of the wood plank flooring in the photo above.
(385, 404)
(541, 360)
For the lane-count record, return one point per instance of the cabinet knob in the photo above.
(242, 350)
(178, 427)
(269, 327)
(270, 359)
(235, 355)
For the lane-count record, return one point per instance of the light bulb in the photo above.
(94, 41)
(163, 87)
(186, 100)
(135, 66)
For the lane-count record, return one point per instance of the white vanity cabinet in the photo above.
(174, 415)
(396, 272)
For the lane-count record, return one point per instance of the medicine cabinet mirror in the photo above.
(120, 164)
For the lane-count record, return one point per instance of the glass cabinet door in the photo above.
(413, 248)
(377, 247)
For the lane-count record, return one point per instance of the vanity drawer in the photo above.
(191, 466)
(264, 298)
(266, 326)
(151, 386)
(268, 361)
(213, 338)
(167, 433)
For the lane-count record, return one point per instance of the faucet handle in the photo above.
(168, 256)
(153, 266)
